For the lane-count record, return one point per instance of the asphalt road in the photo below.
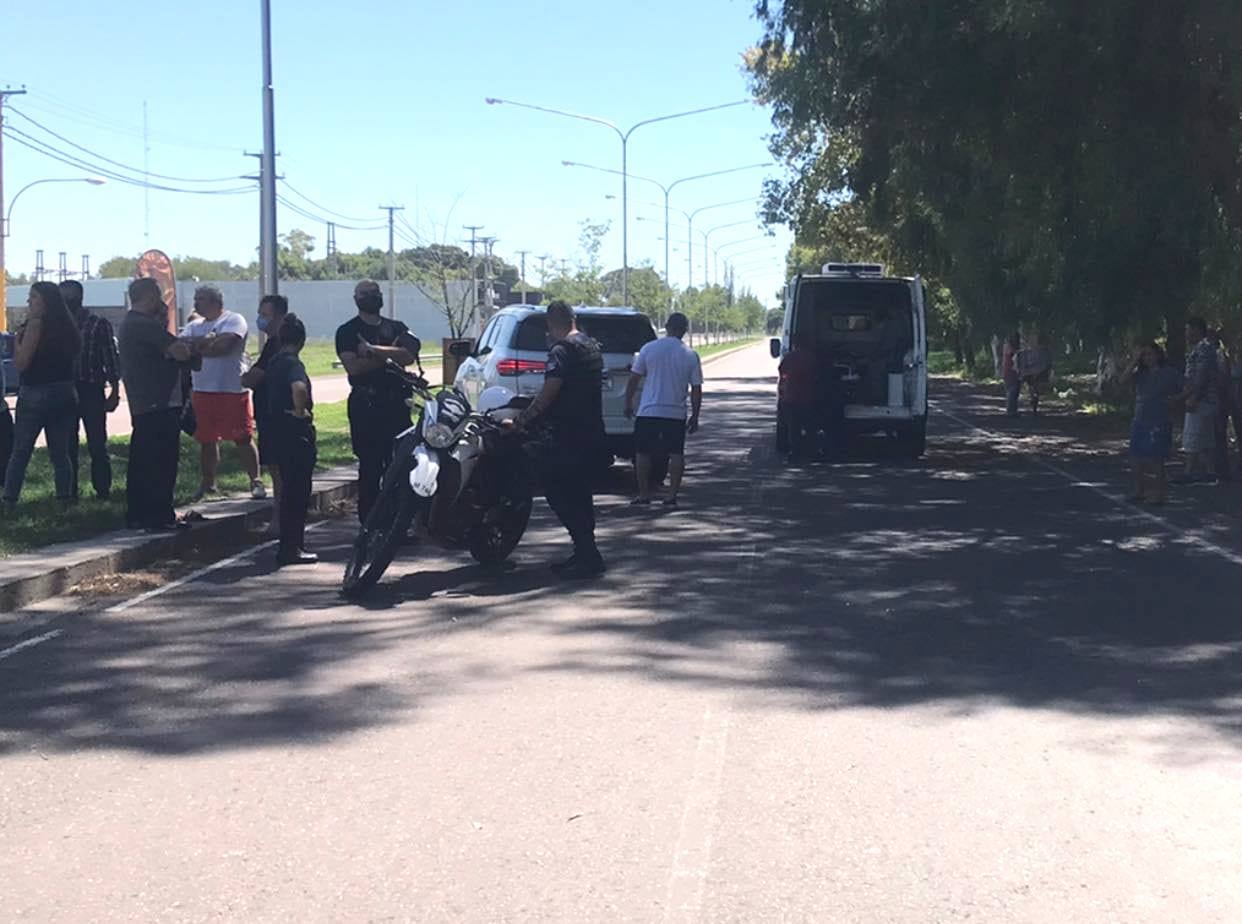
(973, 688)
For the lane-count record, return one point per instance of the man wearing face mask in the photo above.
(272, 312)
(377, 408)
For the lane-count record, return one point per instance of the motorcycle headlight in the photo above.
(438, 436)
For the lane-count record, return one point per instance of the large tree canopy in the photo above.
(1069, 165)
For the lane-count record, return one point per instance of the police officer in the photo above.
(377, 408)
(569, 417)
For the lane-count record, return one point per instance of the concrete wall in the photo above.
(323, 306)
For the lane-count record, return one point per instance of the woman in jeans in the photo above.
(46, 355)
(1156, 385)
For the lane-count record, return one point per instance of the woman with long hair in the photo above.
(1156, 386)
(46, 357)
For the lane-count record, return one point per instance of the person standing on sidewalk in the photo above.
(151, 364)
(1199, 394)
(1224, 401)
(46, 358)
(99, 389)
(1156, 388)
(221, 403)
(666, 369)
(273, 309)
(570, 446)
(291, 439)
(377, 408)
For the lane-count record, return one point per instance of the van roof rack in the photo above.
(853, 269)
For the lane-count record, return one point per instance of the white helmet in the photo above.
(494, 398)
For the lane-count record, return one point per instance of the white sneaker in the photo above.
(257, 490)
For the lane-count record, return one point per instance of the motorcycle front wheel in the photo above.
(377, 541)
(491, 543)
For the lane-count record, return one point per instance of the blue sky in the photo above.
(380, 101)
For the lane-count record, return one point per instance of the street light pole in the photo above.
(668, 191)
(6, 219)
(624, 135)
(267, 164)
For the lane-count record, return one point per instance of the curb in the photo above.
(35, 576)
(727, 353)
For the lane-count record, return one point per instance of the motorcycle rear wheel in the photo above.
(490, 544)
(377, 541)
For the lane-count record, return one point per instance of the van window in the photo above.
(853, 309)
(613, 333)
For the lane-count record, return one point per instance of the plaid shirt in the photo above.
(98, 363)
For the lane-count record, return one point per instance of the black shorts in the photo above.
(660, 436)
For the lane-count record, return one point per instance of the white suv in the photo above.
(514, 348)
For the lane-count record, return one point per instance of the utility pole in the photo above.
(522, 255)
(489, 295)
(146, 177)
(392, 258)
(474, 267)
(39, 270)
(332, 268)
(62, 271)
(4, 230)
(268, 272)
(543, 272)
(86, 266)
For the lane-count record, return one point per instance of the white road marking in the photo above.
(201, 572)
(687, 881)
(1187, 536)
(30, 643)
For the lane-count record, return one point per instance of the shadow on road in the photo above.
(969, 579)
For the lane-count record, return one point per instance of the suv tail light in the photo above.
(520, 366)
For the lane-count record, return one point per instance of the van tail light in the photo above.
(520, 367)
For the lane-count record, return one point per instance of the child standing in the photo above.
(289, 414)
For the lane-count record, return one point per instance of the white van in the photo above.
(870, 332)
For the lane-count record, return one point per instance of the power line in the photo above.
(62, 109)
(323, 208)
(117, 163)
(319, 219)
(71, 160)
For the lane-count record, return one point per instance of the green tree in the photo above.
(117, 267)
(1105, 213)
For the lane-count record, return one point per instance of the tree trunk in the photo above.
(1175, 335)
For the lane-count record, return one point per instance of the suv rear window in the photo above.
(613, 333)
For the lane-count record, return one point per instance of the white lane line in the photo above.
(30, 643)
(687, 881)
(201, 572)
(1190, 538)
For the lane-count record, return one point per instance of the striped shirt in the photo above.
(98, 363)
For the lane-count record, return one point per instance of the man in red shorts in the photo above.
(221, 403)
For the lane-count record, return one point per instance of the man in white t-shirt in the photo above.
(666, 369)
(221, 403)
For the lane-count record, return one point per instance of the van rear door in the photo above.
(918, 406)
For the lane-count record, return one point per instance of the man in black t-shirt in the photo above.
(272, 312)
(377, 408)
(570, 409)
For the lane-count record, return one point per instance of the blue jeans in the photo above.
(43, 407)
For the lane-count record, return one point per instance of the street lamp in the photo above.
(707, 243)
(668, 190)
(5, 231)
(624, 135)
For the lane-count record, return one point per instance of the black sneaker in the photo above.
(296, 558)
(561, 567)
(585, 570)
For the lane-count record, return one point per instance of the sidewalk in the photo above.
(33, 576)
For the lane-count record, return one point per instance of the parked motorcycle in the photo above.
(458, 477)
